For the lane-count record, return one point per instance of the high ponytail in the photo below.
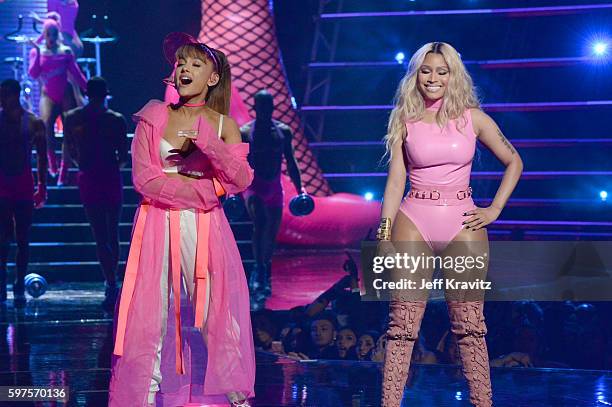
(219, 95)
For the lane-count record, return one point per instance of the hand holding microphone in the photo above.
(301, 204)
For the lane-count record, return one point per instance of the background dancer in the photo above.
(270, 141)
(65, 12)
(52, 62)
(20, 130)
(96, 138)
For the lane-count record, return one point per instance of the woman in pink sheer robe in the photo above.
(172, 347)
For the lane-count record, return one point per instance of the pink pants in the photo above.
(188, 256)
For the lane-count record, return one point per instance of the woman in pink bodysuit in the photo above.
(432, 137)
(180, 151)
(52, 63)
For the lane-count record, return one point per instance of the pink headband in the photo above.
(175, 40)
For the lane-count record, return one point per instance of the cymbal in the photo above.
(19, 38)
(86, 60)
(98, 40)
(13, 60)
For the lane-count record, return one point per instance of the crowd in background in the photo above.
(339, 326)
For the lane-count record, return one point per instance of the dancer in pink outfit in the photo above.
(52, 63)
(184, 156)
(432, 137)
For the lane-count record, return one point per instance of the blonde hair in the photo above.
(409, 104)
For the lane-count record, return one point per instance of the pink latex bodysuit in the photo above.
(439, 166)
(53, 71)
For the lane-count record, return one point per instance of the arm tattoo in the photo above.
(505, 141)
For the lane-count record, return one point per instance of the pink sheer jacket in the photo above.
(227, 361)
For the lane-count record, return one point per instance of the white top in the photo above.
(164, 151)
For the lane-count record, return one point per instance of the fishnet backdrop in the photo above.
(245, 31)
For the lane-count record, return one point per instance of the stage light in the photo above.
(600, 48)
(368, 196)
(603, 195)
(399, 57)
(458, 396)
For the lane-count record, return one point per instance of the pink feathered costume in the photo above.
(227, 363)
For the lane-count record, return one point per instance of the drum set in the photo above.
(97, 35)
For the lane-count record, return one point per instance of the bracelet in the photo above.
(384, 229)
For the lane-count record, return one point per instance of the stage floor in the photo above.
(299, 276)
(64, 338)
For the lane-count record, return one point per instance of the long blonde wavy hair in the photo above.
(409, 104)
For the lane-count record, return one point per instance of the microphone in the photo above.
(35, 284)
(302, 204)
